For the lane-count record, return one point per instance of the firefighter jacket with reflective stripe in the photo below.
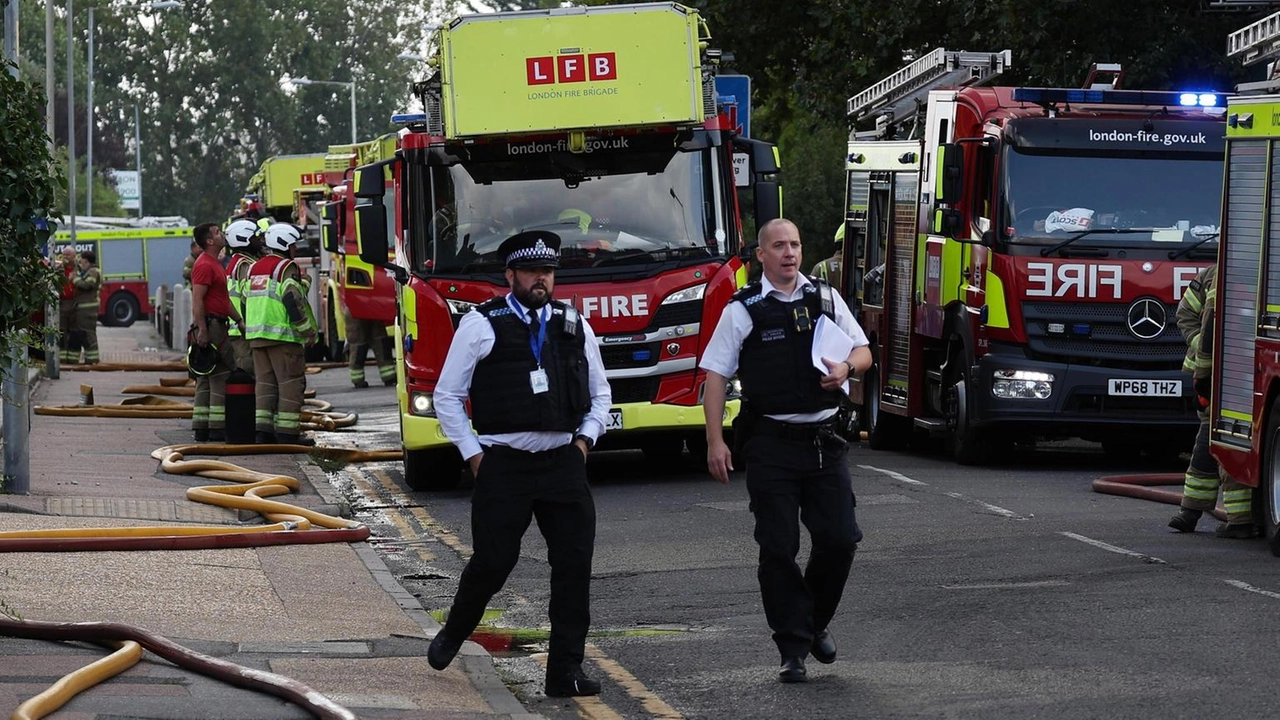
(776, 364)
(271, 284)
(237, 286)
(87, 283)
(1194, 317)
(502, 395)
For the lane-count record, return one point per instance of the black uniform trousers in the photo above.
(511, 489)
(791, 479)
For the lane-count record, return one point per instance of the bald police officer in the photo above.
(795, 459)
(539, 401)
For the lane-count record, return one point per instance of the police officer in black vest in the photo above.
(539, 401)
(796, 469)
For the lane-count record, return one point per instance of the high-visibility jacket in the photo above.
(237, 285)
(87, 284)
(271, 280)
(1193, 320)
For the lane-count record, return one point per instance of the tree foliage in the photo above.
(28, 180)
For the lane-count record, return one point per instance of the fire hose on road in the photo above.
(1146, 487)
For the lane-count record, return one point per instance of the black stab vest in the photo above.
(502, 399)
(775, 365)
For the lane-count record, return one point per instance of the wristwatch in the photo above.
(591, 444)
(850, 366)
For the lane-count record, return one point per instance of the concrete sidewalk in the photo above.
(330, 616)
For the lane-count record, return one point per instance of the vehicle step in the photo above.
(931, 424)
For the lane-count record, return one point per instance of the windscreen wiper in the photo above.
(657, 255)
(1046, 252)
(1175, 254)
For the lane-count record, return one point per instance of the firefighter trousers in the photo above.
(794, 480)
(279, 373)
(66, 329)
(512, 488)
(1204, 477)
(362, 336)
(87, 327)
(209, 411)
(243, 354)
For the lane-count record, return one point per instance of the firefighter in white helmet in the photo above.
(279, 327)
(244, 240)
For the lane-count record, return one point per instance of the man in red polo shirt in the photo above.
(69, 351)
(211, 312)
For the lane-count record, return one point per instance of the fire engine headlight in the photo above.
(1021, 385)
(690, 293)
(460, 307)
(422, 404)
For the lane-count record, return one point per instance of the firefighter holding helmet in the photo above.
(244, 240)
(279, 327)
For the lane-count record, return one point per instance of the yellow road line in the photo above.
(652, 704)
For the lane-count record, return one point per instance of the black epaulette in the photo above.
(493, 307)
(749, 294)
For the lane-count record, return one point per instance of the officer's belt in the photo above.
(793, 431)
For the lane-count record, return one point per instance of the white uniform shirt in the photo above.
(721, 356)
(472, 343)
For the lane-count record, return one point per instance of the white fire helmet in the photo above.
(240, 232)
(282, 236)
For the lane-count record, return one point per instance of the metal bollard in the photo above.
(181, 317)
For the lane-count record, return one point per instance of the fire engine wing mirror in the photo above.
(371, 232)
(764, 156)
(768, 201)
(948, 223)
(370, 180)
(950, 173)
(329, 227)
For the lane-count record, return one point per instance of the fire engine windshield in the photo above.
(611, 209)
(1123, 201)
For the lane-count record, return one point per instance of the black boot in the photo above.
(1185, 521)
(573, 683)
(264, 438)
(1238, 531)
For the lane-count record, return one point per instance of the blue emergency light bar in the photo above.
(1048, 96)
(408, 118)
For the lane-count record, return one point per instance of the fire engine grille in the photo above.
(630, 390)
(638, 355)
(682, 313)
(1100, 331)
(1105, 405)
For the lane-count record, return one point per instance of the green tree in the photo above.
(28, 179)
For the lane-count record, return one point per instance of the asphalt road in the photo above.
(1010, 591)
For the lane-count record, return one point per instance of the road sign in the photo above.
(734, 91)
(127, 187)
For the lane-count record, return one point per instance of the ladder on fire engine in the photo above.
(900, 95)
(1256, 43)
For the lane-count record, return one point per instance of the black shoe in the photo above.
(793, 671)
(1185, 521)
(361, 384)
(1242, 531)
(824, 648)
(284, 439)
(574, 683)
(442, 651)
(201, 435)
(390, 382)
(217, 436)
(264, 438)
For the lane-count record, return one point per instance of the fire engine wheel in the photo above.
(884, 432)
(433, 470)
(965, 443)
(1267, 497)
(122, 310)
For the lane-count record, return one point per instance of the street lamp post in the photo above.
(88, 153)
(351, 85)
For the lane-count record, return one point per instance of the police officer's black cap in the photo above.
(531, 248)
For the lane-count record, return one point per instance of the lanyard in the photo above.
(535, 341)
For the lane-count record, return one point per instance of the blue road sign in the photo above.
(734, 93)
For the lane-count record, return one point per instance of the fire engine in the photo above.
(1245, 405)
(600, 124)
(364, 290)
(135, 259)
(1018, 254)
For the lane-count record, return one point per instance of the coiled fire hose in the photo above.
(134, 637)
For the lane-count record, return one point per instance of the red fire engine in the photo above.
(1018, 255)
(600, 124)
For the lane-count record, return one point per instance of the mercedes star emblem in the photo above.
(1146, 318)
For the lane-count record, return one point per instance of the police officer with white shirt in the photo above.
(796, 470)
(539, 401)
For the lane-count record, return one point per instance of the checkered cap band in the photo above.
(538, 251)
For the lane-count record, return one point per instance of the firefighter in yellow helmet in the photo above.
(832, 269)
(88, 282)
(279, 327)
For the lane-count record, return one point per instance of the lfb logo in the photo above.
(578, 67)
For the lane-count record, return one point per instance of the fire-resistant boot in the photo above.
(1185, 521)
(1239, 531)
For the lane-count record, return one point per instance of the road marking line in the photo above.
(987, 506)
(1252, 589)
(1008, 586)
(1114, 548)
(590, 707)
(652, 704)
(895, 475)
